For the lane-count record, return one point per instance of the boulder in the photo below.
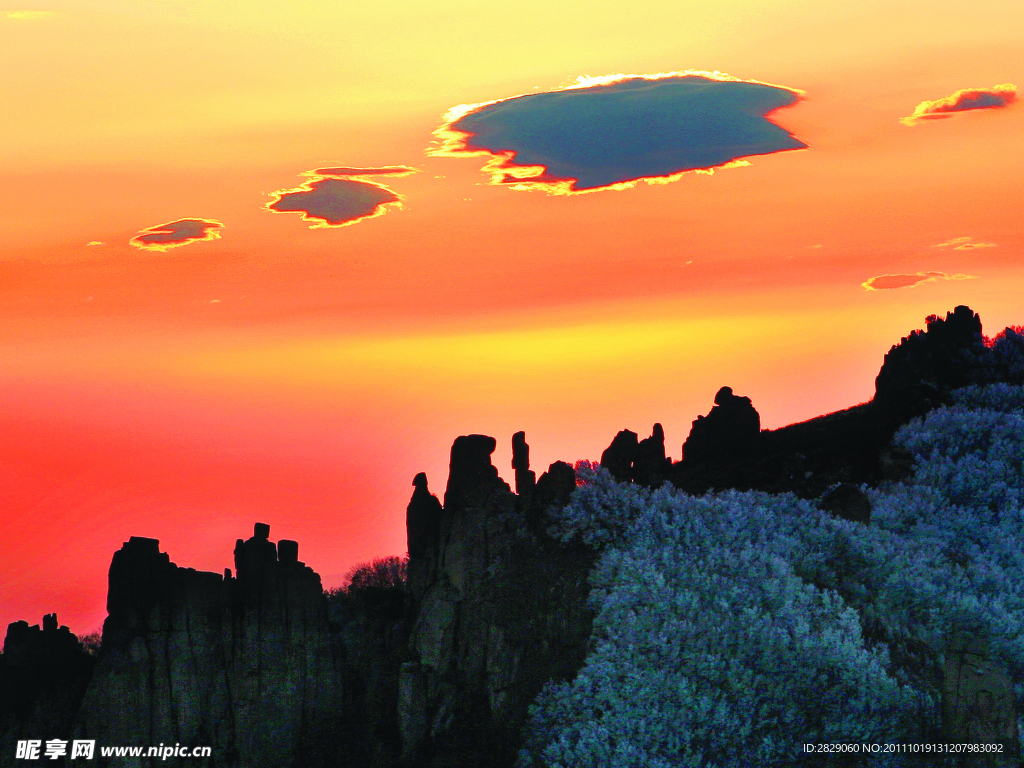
(848, 502)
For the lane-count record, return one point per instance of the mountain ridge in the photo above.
(262, 668)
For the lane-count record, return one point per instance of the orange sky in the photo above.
(301, 377)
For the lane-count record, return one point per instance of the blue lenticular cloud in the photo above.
(620, 131)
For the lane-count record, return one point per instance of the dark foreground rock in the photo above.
(729, 432)
(246, 664)
(43, 675)
(498, 608)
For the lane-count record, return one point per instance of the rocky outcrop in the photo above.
(618, 457)
(631, 460)
(853, 445)
(43, 675)
(925, 365)
(499, 609)
(729, 432)
(243, 664)
(650, 465)
(848, 502)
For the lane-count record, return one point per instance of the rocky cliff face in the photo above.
(949, 353)
(245, 664)
(498, 608)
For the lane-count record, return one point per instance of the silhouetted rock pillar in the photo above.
(255, 562)
(139, 577)
(525, 478)
(650, 463)
(422, 517)
(288, 552)
(728, 432)
(470, 469)
(618, 457)
(422, 523)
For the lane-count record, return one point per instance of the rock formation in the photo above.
(848, 502)
(630, 460)
(499, 610)
(261, 667)
(949, 353)
(618, 457)
(246, 665)
(43, 674)
(553, 490)
(526, 478)
(729, 431)
(650, 464)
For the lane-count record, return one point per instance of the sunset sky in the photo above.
(300, 373)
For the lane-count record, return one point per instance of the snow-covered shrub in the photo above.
(965, 502)
(601, 509)
(710, 649)
(1001, 397)
(1008, 351)
(733, 627)
(585, 470)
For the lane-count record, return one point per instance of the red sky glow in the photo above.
(181, 378)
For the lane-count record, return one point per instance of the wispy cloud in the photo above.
(964, 100)
(387, 170)
(888, 282)
(963, 244)
(176, 233)
(337, 197)
(614, 131)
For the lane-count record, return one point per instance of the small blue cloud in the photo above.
(337, 197)
(175, 233)
(618, 130)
